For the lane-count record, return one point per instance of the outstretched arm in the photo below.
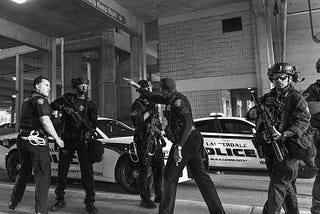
(155, 98)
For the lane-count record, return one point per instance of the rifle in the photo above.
(71, 110)
(270, 130)
(154, 132)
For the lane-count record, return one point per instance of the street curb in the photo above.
(119, 203)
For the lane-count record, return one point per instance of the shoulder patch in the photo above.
(305, 95)
(81, 107)
(40, 101)
(133, 113)
(178, 102)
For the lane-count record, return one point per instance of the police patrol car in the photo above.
(118, 164)
(228, 142)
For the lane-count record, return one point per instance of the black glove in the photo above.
(67, 110)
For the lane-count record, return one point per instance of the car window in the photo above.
(235, 126)
(207, 126)
(113, 128)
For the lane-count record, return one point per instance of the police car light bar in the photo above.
(215, 114)
(19, 1)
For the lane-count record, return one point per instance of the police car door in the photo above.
(234, 148)
(211, 131)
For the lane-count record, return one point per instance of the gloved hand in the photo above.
(177, 156)
(67, 110)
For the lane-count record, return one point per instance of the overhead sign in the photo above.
(106, 10)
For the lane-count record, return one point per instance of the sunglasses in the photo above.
(284, 77)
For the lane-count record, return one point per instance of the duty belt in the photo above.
(35, 138)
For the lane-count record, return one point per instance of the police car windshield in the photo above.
(113, 128)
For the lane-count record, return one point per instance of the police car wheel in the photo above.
(127, 175)
(13, 165)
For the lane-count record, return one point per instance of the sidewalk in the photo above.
(110, 203)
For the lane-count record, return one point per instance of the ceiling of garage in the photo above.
(53, 18)
(69, 17)
(150, 10)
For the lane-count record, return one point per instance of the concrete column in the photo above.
(72, 68)
(263, 52)
(53, 69)
(107, 81)
(138, 57)
(50, 68)
(19, 89)
(124, 91)
(95, 82)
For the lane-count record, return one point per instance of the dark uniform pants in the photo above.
(192, 158)
(38, 158)
(282, 188)
(72, 143)
(150, 173)
(315, 208)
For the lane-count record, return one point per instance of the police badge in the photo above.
(81, 107)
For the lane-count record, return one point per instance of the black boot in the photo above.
(157, 199)
(91, 208)
(12, 205)
(148, 204)
(58, 205)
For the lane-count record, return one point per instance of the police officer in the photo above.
(79, 116)
(147, 136)
(290, 118)
(187, 149)
(312, 95)
(32, 144)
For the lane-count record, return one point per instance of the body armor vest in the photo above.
(28, 120)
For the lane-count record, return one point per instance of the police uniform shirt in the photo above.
(85, 107)
(138, 109)
(293, 114)
(180, 119)
(312, 93)
(91, 113)
(81, 106)
(39, 107)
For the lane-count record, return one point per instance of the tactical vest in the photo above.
(28, 120)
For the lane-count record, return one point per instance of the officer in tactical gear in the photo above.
(290, 121)
(147, 136)
(79, 118)
(186, 150)
(312, 95)
(32, 144)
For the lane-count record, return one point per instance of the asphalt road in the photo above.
(245, 189)
(233, 188)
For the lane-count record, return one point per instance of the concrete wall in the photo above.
(194, 51)
(302, 51)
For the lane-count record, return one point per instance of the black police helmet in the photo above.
(283, 68)
(143, 83)
(78, 81)
(318, 66)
